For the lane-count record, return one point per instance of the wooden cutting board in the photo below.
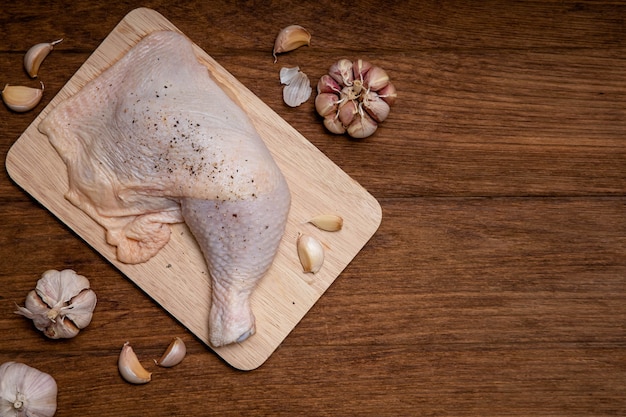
(177, 277)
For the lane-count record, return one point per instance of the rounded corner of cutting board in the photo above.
(143, 11)
(11, 163)
(247, 367)
(378, 215)
(147, 18)
(243, 358)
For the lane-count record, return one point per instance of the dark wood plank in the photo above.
(369, 26)
(381, 381)
(507, 302)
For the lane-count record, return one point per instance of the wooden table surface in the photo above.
(496, 284)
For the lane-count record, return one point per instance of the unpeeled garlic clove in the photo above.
(360, 68)
(82, 307)
(327, 84)
(26, 391)
(334, 125)
(347, 111)
(130, 368)
(326, 104)
(341, 71)
(376, 106)
(36, 310)
(388, 93)
(362, 126)
(20, 98)
(290, 38)
(35, 56)
(297, 88)
(174, 354)
(375, 79)
(327, 222)
(310, 253)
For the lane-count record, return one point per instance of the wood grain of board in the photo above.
(177, 277)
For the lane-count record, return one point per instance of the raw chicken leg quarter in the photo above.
(153, 141)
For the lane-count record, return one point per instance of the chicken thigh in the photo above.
(153, 141)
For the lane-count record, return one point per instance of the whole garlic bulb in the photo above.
(61, 304)
(26, 391)
(354, 97)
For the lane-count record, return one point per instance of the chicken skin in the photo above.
(154, 141)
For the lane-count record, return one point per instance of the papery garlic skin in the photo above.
(61, 304)
(354, 97)
(297, 88)
(26, 391)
